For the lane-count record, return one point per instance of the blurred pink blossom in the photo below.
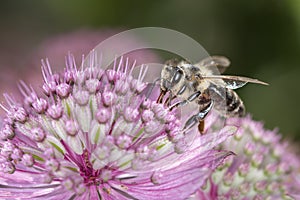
(264, 167)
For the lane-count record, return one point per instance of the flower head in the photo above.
(264, 166)
(95, 135)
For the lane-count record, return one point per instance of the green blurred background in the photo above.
(262, 39)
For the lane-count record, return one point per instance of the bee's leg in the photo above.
(194, 96)
(169, 99)
(161, 96)
(201, 126)
(182, 103)
(199, 118)
(190, 122)
(202, 114)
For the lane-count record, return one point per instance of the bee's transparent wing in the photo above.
(221, 62)
(234, 82)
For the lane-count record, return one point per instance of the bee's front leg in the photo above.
(161, 96)
(169, 99)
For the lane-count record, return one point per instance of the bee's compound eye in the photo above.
(177, 76)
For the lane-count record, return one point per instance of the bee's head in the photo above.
(171, 74)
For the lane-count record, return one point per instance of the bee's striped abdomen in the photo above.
(234, 104)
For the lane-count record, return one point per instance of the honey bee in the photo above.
(201, 83)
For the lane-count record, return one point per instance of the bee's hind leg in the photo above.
(201, 126)
(202, 114)
(199, 118)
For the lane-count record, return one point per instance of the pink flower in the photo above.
(265, 167)
(95, 135)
